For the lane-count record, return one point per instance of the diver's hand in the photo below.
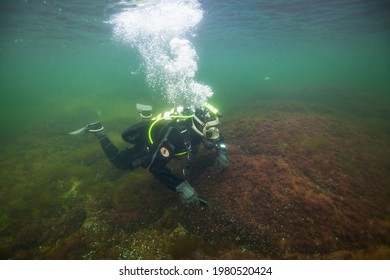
(221, 162)
(188, 195)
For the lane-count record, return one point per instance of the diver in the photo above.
(155, 141)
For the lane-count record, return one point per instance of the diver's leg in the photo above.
(122, 159)
(108, 147)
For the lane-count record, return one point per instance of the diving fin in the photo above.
(80, 131)
(92, 127)
(202, 202)
(146, 111)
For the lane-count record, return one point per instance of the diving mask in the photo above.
(205, 121)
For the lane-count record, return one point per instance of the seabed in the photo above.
(304, 182)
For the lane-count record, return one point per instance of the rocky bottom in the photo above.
(298, 187)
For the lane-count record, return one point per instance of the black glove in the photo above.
(188, 195)
(221, 162)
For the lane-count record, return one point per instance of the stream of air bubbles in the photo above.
(161, 31)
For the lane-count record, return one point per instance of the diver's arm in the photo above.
(220, 145)
(221, 161)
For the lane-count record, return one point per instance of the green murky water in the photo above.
(62, 65)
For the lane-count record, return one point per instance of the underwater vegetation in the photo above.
(301, 185)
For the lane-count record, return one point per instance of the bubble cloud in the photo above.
(161, 32)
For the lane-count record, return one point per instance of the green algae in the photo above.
(3, 220)
(65, 200)
(316, 143)
(346, 162)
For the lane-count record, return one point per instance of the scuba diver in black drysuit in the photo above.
(155, 141)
